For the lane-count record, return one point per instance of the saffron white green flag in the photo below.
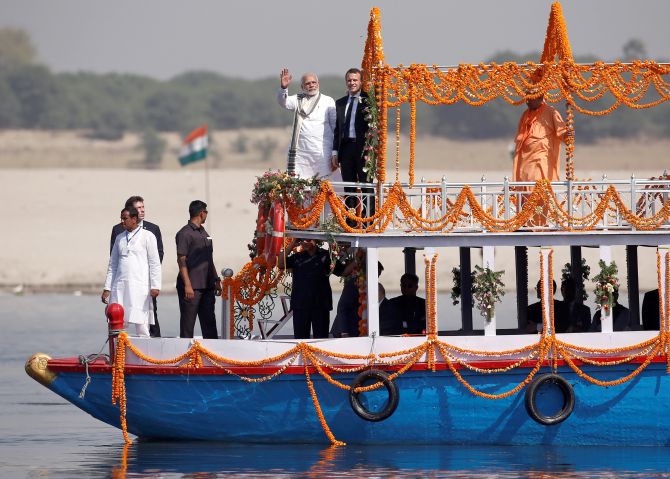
(194, 147)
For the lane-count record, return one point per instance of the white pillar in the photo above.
(605, 254)
(488, 261)
(548, 287)
(606, 317)
(372, 278)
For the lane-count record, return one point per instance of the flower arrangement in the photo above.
(606, 284)
(276, 185)
(566, 273)
(371, 115)
(487, 290)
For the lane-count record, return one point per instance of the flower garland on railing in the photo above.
(322, 361)
(607, 284)
(465, 209)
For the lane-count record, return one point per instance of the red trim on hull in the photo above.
(100, 367)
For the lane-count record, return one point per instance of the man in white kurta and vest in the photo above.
(310, 153)
(134, 273)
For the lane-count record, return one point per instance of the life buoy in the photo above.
(275, 241)
(260, 229)
(355, 400)
(568, 399)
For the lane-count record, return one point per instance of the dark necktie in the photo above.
(347, 117)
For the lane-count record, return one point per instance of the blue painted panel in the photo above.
(433, 408)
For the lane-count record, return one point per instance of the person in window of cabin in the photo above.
(410, 308)
(621, 318)
(651, 316)
(534, 313)
(579, 315)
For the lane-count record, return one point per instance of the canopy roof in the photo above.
(639, 84)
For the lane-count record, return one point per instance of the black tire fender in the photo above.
(391, 388)
(568, 399)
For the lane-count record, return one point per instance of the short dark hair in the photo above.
(196, 207)
(134, 199)
(411, 278)
(353, 70)
(539, 285)
(132, 211)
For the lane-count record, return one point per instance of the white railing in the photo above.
(504, 199)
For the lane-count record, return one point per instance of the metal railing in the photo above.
(503, 200)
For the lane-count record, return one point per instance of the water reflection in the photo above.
(215, 460)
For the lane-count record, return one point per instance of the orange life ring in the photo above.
(275, 242)
(260, 229)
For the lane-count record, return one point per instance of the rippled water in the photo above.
(44, 436)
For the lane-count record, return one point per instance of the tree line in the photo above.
(108, 105)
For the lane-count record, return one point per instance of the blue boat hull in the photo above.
(433, 408)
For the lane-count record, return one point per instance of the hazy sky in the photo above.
(253, 39)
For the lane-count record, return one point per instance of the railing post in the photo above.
(225, 307)
(632, 208)
(506, 197)
(569, 203)
(443, 188)
(482, 189)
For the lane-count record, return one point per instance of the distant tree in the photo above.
(16, 48)
(10, 108)
(240, 144)
(154, 148)
(634, 49)
(168, 110)
(266, 146)
(39, 95)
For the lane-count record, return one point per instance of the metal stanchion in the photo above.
(225, 308)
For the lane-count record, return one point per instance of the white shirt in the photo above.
(352, 125)
(315, 143)
(134, 270)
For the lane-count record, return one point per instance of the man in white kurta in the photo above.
(316, 119)
(134, 273)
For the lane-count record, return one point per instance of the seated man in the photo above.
(621, 317)
(579, 315)
(534, 313)
(410, 308)
(651, 319)
(389, 324)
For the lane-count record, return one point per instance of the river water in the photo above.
(43, 436)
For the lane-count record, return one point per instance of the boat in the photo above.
(491, 386)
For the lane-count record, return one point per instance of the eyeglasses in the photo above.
(124, 218)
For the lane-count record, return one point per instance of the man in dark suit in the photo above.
(534, 318)
(389, 323)
(350, 130)
(651, 315)
(410, 308)
(137, 202)
(579, 315)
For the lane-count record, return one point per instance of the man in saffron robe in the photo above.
(536, 157)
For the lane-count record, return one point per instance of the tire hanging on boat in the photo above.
(260, 229)
(391, 388)
(275, 242)
(568, 399)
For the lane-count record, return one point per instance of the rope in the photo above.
(91, 358)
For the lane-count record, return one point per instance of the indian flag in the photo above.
(194, 147)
